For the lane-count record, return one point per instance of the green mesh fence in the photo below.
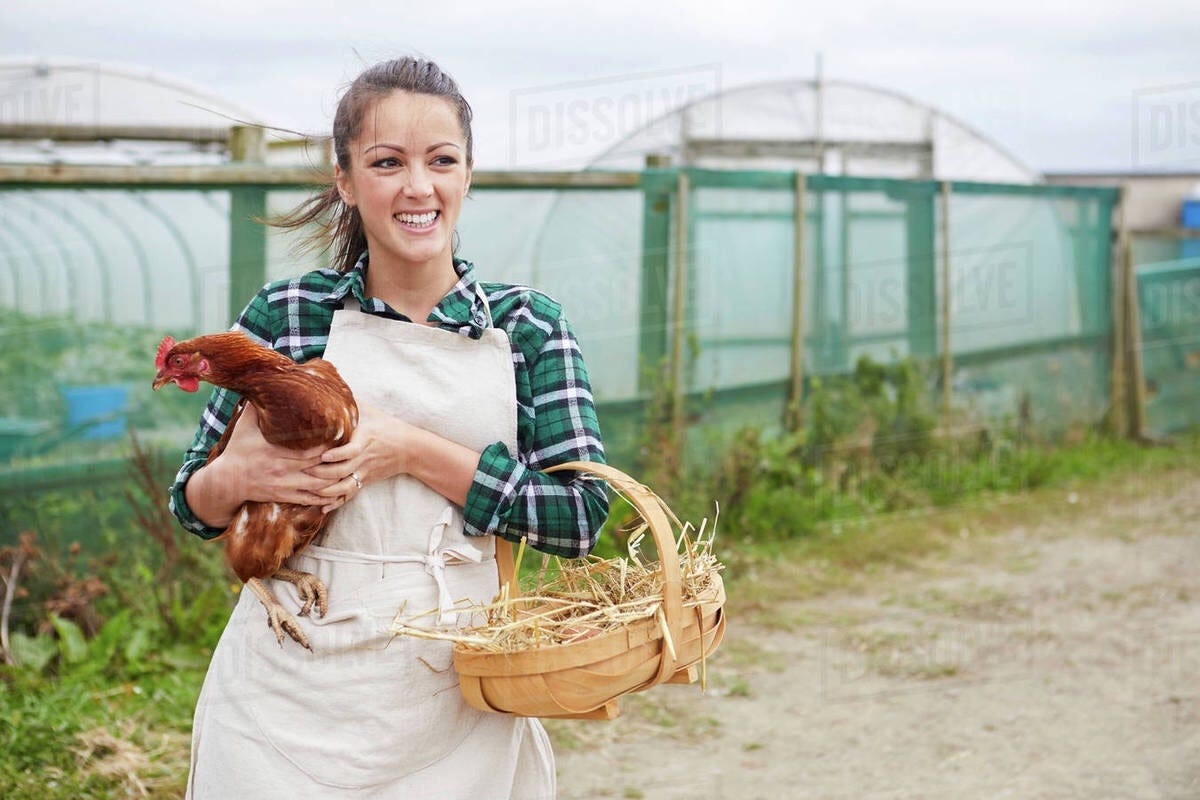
(1027, 271)
(92, 277)
(1168, 284)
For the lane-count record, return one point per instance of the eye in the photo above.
(445, 161)
(387, 163)
(178, 360)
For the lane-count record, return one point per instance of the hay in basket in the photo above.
(593, 629)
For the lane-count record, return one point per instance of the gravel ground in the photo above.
(1058, 659)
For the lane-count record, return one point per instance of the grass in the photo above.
(52, 734)
(842, 554)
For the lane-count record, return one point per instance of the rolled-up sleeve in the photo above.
(212, 425)
(559, 513)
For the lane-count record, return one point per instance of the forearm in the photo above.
(384, 446)
(212, 496)
(499, 493)
(444, 466)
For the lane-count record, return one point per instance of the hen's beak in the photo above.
(159, 381)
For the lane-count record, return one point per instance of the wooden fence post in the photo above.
(1119, 379)
(1133, 336)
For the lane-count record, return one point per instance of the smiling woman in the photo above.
(468, 391)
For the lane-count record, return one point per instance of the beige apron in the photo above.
(366, 715)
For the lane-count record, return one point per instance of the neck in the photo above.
(412, 289)
(238, 364)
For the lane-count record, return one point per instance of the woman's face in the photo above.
(408, 176)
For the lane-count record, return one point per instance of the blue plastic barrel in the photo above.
(1189, 217)
(1190, 213)
(103, 406)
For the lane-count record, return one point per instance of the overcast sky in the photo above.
(1060, 85)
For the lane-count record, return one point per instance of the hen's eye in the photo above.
(177, 361)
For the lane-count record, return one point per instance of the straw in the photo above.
(582, 598)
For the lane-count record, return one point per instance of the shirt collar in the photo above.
(461, 310)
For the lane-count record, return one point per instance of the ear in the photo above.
(342, 182)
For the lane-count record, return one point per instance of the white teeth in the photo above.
(420, 220)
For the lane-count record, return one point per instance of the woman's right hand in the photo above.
(251, 468)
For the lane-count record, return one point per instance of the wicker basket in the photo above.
(583, 679)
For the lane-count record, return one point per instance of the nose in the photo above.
(420, 182)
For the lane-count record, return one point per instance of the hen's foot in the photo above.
(310, 587)
(279, 619)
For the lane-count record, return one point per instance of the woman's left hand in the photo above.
(375, 451)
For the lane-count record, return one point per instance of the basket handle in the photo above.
(649, 505)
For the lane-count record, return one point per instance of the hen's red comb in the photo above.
(164, 347)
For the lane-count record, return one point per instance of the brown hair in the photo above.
(340, 226)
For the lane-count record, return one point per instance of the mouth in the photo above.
(418, 221)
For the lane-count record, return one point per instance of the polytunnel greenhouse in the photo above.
(730, 254)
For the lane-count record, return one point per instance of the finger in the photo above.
(343, 453)
(303, 462)
(336, 504)
(344, 486)
(302, 498)
(329, 473)
(302, 482)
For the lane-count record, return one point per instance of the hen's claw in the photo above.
(310, 587)
(281, 621)
(278, 618)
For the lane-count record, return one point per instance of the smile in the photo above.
(418, 220)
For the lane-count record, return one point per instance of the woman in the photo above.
(467, 390)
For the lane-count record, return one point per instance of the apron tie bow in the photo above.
(436, 559)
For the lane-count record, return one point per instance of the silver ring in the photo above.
(357, 482)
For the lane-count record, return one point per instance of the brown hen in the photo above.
(300, 406)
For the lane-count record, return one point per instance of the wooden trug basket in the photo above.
(583, 679)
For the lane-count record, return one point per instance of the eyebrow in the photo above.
(398, 148)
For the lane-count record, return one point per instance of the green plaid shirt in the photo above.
(556, 417)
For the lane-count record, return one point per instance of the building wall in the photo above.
(1151, 201)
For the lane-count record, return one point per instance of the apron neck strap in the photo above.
(350, 303)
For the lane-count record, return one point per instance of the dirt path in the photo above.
(1048, 661)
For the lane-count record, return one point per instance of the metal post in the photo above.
(679, 305)
(247, 236)
(947, 353)
(921, 267)
(794, 413)
(653, 323)
(842, 349)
